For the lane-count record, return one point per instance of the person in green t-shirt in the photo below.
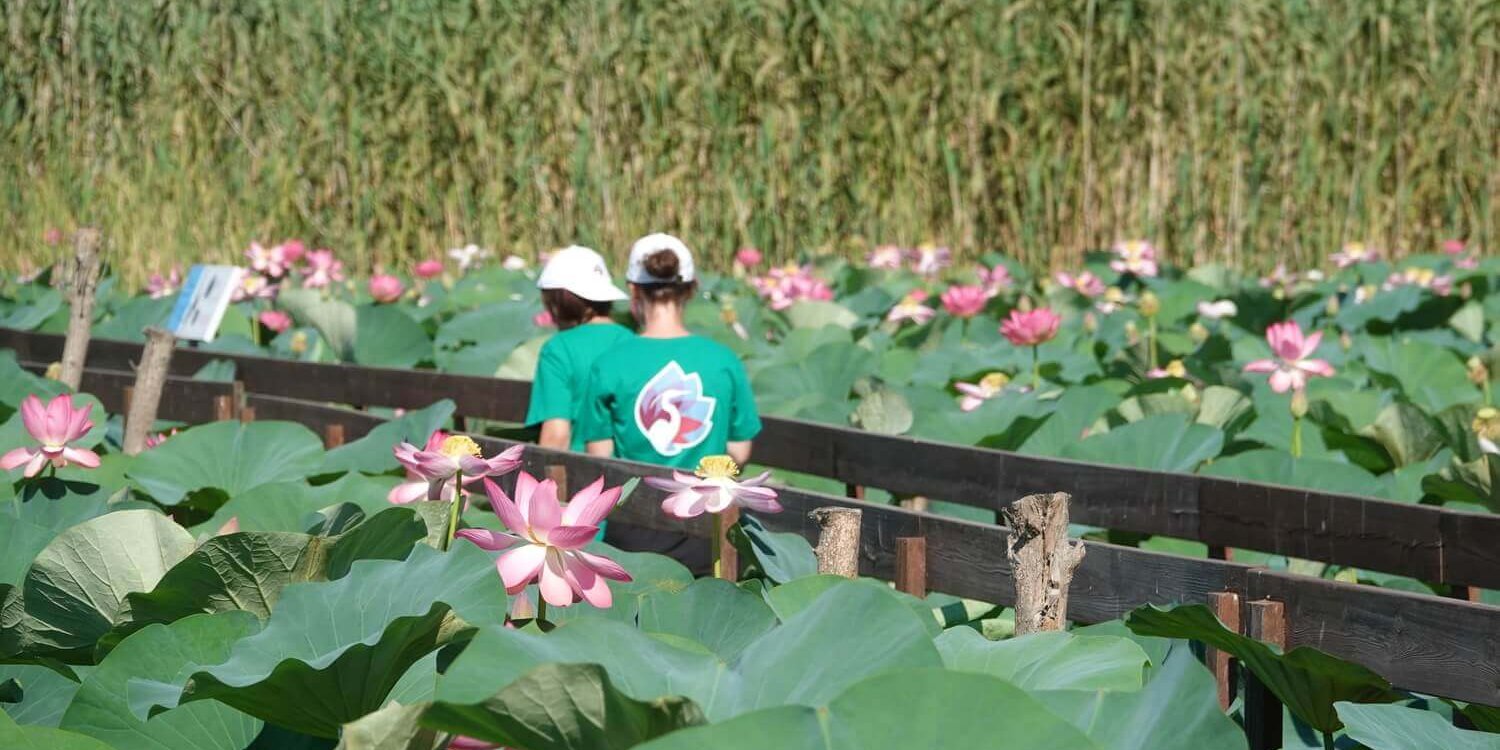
(577, 293)
(666, 396)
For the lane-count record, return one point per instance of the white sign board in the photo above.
(203, 300)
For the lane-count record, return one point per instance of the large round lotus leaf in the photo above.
(718, 614)
(102, 709)
(334, 319)
(16, 383)
(130, 320)
(560, 706)
(352, 638)
(230, 457)
(848, 634)
(1394, 727)
(1279, 467)
(75, 590)
(387, 337)
(926, 708)
(1167, 442)
(1178, 709)
(372, 453)
(17, 737)
(285, 506)
(1047, 661)
(45, 693)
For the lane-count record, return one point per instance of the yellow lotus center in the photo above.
(1150, 305)
(994, 381)
(459, 445)
(299, 342)
(717, 467)
(1114, 294)
(1176, 369)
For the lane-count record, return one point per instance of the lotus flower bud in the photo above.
(1278, 293)
(1114, 295)
(1132, 333)
(54, 371)
(1479, 372)
(1486, 423)
(1149, 304)
(728, 315)
(1332, 307)
(1176, 369)
(1024, 304)
(298, 344)
(1090, 322)
(1299, 403)
(1346, 342)
(1198, 332)
(1465, 290)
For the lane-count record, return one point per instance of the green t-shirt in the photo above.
(669, 401)
(562, 372)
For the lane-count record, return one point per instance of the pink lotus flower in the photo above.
(1454, 247)
(965, 301)
(456, 455)
(994, 279)
(321, 269)
(429, 269)
(463, 742)
(416, 486)
(53, 236)
(712, 488)
(543, 319)
(748, 257)
(1031, 328)
(292, 251)
(1136, 257)
(1279, 277)
(1174, 369)
(53, 426)
(274, 262)
(1425, 278)
(386, 288)
(1084, 283)
(975, 394)
(253, 286)
(157, 439)
(276, 320)
(159, 286)
(929, 260)
(781, 287)
(547, 541)
(1354, 253)
(911, 308)
(1292, 364)
(468, 256)
(885, 258)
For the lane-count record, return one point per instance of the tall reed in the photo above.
(1247, 131)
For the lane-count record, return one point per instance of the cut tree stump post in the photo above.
(911, 565)
(333, 435)
(1226, 605)
(729, 555)
(1042, 560)
(82, 277)
(838, 540)
(1262, 710)
(145, 395)
(247, 415)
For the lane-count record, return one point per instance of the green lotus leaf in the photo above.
(228, 457)
(1395, 727)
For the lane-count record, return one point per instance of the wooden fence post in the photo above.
(838, 540)
(145, 395)
(247, 414)
(729, 555)
(1262, 710)
(333, 435)
(911, 565)
(82, 277)
(1042, 560)
(1226, 604)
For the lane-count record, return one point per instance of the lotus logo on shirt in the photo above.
(672, 412)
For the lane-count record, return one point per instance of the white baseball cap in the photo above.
(648, 246)
(582, 272)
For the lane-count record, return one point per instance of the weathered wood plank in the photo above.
(182, 399)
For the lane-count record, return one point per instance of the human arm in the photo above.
(556, 433)
(601, 448)
(739, 450)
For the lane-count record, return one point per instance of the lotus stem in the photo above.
(1296, 437)
(714, 550)
(1036, 370)
(1151, 341)
(458, 498)
(541, 609)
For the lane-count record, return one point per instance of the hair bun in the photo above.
(663, 265)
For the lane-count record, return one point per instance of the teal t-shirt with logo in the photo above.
(669, 401)
(562, 373)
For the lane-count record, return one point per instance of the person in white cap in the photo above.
(666, 396)
(577, 293)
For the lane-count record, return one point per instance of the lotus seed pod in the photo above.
(1332, 308)
(1149, 304)
(1346, 342)
(1299, 403)
(1024, 304)
(1198, 332)
(1090, 322)
(1486, 423)
(1479, 372)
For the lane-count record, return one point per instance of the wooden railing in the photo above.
(1423, 542)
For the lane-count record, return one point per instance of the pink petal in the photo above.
(79, 423)
(34, 417)
(589, 507)
(519, 566)
(588, 584)
(603, 566)
(756, 480)
(969, 403)
(1310, 344)
(81, 456)
(666, 485)
(15, 457)
(1316, 367)
(545, 510)
(761, 504)
(469, 743)
(684, 504)
(525, 488)
(34, 466)
(571, 537)
(506, 461)
(59, 412)
(407, 492)
(487, 539)
(1283, 381)
(554, 585)
(232, 526)
(1262, 365)
(505, 508)
(970, 389)
(433, 465)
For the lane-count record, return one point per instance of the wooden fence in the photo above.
(1423, 542)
